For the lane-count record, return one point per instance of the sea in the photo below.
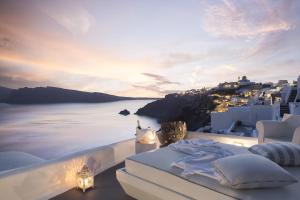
(51, 131)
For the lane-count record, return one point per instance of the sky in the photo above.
(147, 48)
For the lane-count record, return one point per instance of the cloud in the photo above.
(245, 19)
(212, 75)
(152, 87)
(285, 43)
(280, 70)
(48, 51)
(38, 46)
(156, 87)
(76, 20)
(14, 83)
(17, 76)
(206, 54)
(258, 72)
(160, 80)
(174, 59)
(6, 43)
(8, 40)
(155, 90)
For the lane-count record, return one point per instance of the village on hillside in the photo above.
(242, 103)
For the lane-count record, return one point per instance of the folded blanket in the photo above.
(194, 146)
(200, 156)
(197, 165)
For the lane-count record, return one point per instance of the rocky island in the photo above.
(124, 112)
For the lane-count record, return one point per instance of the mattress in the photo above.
(156, 167)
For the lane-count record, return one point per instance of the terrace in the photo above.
(54, 179)
(106, 187)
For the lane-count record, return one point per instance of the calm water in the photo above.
(51, 131)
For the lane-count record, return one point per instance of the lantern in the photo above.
(85, 178)
(146, 136)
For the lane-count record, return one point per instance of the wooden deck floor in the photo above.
(106, 187)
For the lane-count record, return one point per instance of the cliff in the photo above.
(193, 108)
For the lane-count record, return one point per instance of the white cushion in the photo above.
(251, 171)
(283, 153)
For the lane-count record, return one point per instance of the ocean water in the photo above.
(54, 130)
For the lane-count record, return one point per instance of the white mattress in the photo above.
(156, 167)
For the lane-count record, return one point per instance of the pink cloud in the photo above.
(244, 19)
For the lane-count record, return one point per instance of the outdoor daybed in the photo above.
(149, 176)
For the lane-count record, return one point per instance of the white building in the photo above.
(247, 115)
(228, 85)
(281, 83)
(298, 88)
(294, 107)
(244, 81)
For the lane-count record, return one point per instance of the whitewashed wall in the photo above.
(248, 115)
(220, 120)
(285, 93)
(298, 88)
(51, 178)
(276, 111)
(261, 112)
(294, 108)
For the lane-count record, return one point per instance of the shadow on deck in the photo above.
(106, 187)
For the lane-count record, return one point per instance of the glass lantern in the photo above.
(85, 179)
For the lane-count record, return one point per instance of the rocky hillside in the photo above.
(192, 107)
(4, 92)
(42, 95)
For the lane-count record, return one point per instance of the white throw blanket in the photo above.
(200, 155)
(192, 147)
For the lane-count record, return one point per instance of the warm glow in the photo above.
(146, 136)
(127, 49)
(85, 179)
(72, 168)
(85, 183)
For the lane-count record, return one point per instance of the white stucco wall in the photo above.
(298, 88)
(294, 108)
(220, 120)
(248, 115)
(264, 112)
(276, 111)
(285, 93)
(50, 178)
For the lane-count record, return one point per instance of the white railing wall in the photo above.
(48, 179)
(248, 115)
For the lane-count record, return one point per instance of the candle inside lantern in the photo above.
(85, 178)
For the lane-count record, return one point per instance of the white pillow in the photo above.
(283, 153)
(249, 171)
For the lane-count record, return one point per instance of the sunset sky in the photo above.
(147, 47)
